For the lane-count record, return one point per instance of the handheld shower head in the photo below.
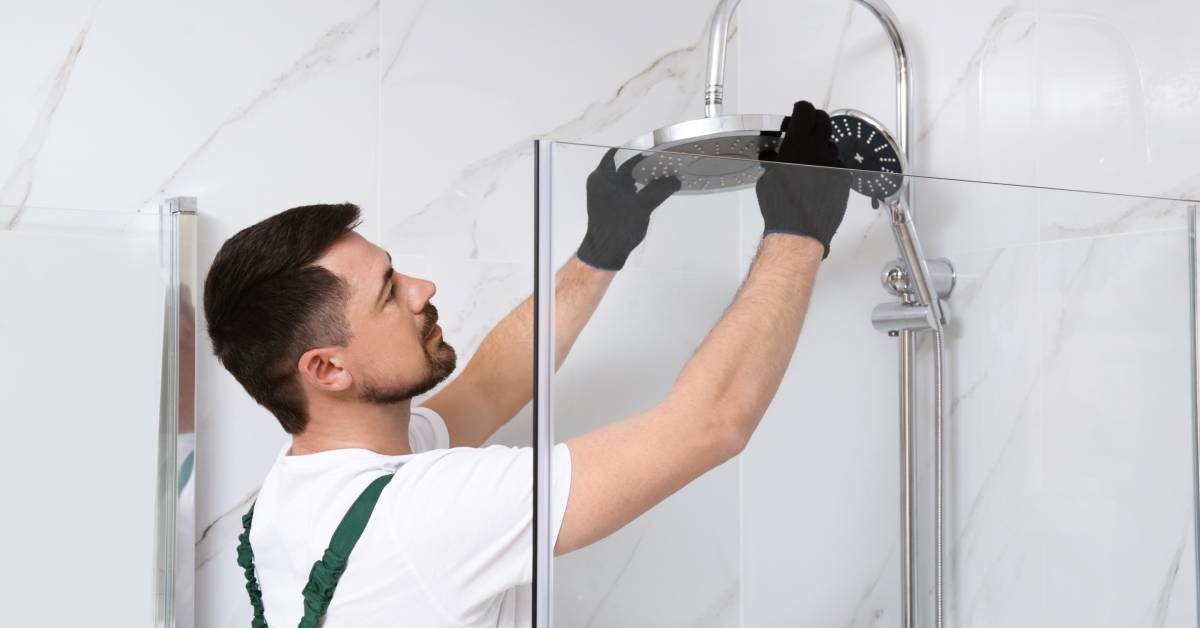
(865, 146)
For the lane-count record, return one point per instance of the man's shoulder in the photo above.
(448, 475)
(468, 459)
(452, 487)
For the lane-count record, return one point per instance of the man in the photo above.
(313, 321)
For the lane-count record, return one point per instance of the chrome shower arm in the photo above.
(718, 33)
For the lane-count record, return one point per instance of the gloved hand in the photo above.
(619, 214)
(804, 201)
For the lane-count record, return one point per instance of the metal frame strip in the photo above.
(543, 412)
(177, 238)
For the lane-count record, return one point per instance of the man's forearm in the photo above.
(503, 364)
(739, 366)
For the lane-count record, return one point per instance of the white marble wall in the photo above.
(1067, 387)
(1069, 468)
(251, 107)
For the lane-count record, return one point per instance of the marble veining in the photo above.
(403, 41)
(19, 182)
(983, 500)
(721, 611)
(1140, 214)
(345, 42)
(983, 595)
(839, 52)
(490, 286)
(456, 210)
(1000, 25)
(1072, 298)
(616, 580)
(1157, 616)
(867, 603)
(221, 534)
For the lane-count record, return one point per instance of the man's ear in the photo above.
(324, 368)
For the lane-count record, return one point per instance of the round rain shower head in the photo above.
(865, 145)
(707, 155)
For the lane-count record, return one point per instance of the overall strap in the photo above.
(246, 560)
(323, 578)
(325, 573)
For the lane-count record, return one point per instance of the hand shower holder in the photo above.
(909, 314)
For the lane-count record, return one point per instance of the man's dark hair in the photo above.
(267, 303)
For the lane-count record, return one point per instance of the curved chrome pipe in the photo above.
(887, 19)
(718, 33)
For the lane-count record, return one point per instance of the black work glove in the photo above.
(804, 201)
(619, 214)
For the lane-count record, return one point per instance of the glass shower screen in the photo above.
(1068, 435)
(95, 416)
(657, 310)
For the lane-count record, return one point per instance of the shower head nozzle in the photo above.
(722, 153)
(866, 147)
(706, 155)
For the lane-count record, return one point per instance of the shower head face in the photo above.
(865, 145)
(707, 155)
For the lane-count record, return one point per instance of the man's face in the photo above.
(396, 351)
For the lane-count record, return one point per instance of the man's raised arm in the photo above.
(623, 469)
(498, 381)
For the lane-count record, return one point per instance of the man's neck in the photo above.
(382, 429)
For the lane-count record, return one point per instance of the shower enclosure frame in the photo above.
(177, 254)
(543, 413)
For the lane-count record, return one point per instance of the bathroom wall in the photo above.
(1057, 439)
(424, 113)
(252, 107)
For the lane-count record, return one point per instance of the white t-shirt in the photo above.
(450, 542)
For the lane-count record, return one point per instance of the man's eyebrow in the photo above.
(387, 278)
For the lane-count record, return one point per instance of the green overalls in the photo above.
(323, 578)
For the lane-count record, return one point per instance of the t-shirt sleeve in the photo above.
(427, 431)
(465, 521)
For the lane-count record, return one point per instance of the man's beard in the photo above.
(439, 363)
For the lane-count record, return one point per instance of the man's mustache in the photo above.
(431, 319)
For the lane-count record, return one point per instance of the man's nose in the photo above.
(421, 291)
